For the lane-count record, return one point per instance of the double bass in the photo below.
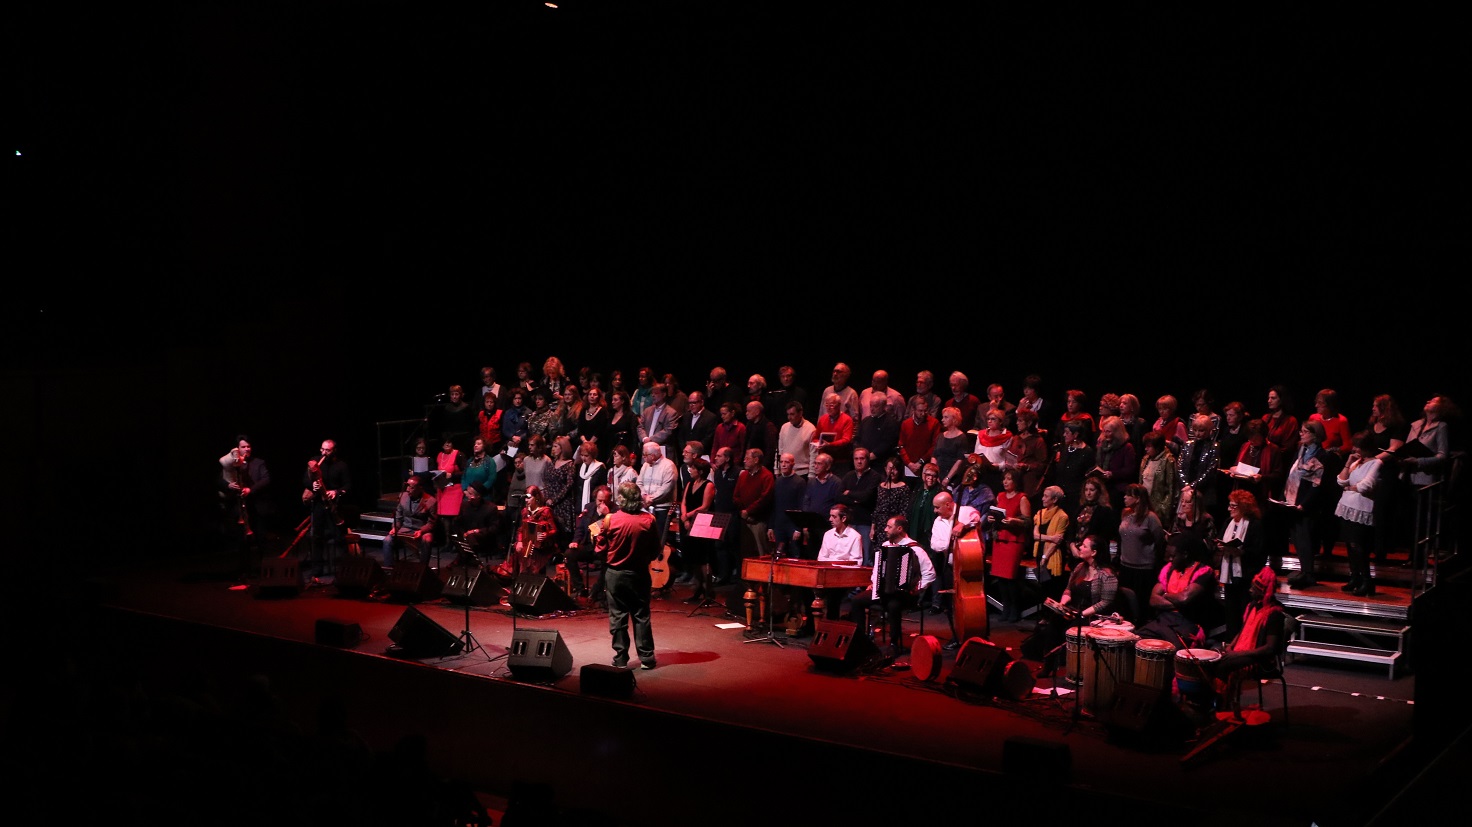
(968, 555)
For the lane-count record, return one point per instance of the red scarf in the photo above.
(1257, 614)
(987, 440)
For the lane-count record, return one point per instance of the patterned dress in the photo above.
(543, 422)
(557, 486)
(888, 503)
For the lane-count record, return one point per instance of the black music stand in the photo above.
(447, 506)
(721, 524)
(468, 643)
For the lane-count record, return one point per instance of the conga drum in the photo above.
(1075, 648)
(1112, 664)
(1153, 662)
(1193, 676)
(925, 658)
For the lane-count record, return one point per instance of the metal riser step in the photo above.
(1343, 652)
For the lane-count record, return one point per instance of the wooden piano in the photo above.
(811, 574)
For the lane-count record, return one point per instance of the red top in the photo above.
(917, 441)
(753, 492)
(1337, 433)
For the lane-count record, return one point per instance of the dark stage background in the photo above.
(298, 220)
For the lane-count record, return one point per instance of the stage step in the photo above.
(1367, 631)
(1345, 652)
(375, 525)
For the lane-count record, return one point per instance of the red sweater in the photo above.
(917, 441)
(753, 492)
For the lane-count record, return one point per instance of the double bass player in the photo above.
(952, 522)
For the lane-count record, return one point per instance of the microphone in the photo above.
(442, 396)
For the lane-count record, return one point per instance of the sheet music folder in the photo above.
(1413, 449)
(710, 526)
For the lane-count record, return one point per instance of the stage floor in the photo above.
(724, 714)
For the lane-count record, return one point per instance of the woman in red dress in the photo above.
(1011, 532)
(536, 538)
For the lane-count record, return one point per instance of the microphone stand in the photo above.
(1078, 695)
(1053, 684)
(771, 637)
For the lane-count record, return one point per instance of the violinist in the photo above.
(325, 487)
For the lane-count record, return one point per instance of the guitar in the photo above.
(659, 567)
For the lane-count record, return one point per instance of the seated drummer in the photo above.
(1183, 598)
(1091, 591)
(902, 570)
(1261, 636)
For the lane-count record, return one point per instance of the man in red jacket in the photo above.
(628, 542)
(753, 500)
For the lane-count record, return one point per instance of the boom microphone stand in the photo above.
(1078, 695)
(771, 637)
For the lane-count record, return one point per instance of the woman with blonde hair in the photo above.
(554, 376)
(1049, 532)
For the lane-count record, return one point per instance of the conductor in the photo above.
(628, 541)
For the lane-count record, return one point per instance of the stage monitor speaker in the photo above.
(1144, 713)
(980, 665)
(413, 581)
(538, 655)
(418, 636)
(840, 646)
(607, 681)
(358, 576)
(472, 586)
(341, 633)
(280, 577)
(539, 595)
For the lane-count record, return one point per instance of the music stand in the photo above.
(713, 527)
(448, 508)
(468, 643)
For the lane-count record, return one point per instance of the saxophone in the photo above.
(242, 481)
(320, 490)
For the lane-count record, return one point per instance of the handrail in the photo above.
(414, 428)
